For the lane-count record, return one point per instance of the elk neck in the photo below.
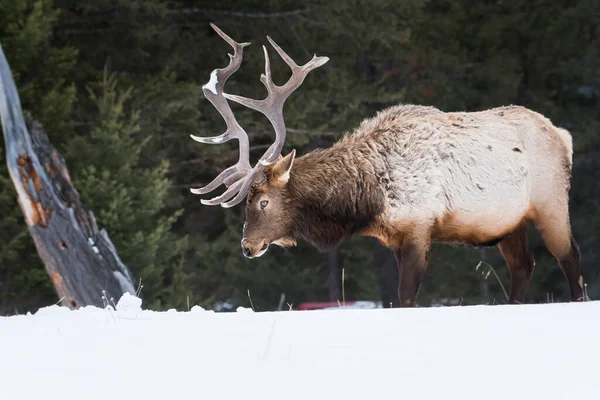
(334, 193)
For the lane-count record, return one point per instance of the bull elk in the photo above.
(409, 176)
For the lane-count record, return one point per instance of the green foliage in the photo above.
(456, 55)
(40, 69)
(127, 198)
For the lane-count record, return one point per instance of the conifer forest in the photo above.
(117, 87)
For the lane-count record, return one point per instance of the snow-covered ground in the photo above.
(477, 352)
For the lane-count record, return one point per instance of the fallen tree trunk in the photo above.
(81, 260)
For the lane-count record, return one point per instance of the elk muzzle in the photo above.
(253, 249)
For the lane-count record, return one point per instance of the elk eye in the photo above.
(263, 204)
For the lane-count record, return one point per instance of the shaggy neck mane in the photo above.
(334, 194)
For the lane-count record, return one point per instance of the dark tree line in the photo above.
(117, 87)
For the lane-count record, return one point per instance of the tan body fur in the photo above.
(413, 175)
(461, 177)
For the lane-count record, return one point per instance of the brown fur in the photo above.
(413, 175)
(319, 209)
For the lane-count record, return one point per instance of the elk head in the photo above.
(269, 215)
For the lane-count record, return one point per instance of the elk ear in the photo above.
(283, 166)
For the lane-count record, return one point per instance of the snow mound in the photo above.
(52, 311)
(128, 302)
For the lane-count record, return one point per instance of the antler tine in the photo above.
(213, 91)
(266, 80)
(272, 105)
(288, 60)
(245, 187)
(266, 77)
(227, 38)
(231, 174)
(229, 193)
(296, 80)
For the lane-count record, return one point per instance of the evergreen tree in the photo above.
(127, 197)
(41, 70)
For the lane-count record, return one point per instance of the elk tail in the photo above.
(568, 141)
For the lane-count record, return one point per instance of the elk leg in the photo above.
(411, 257)
(520, 262)
(555, 229)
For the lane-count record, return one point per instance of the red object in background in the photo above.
(330, 305)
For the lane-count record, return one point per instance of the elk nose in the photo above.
(246, 251)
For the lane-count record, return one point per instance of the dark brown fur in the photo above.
(327, 198)
(353, 202)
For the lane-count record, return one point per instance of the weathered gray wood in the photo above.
(81, 261)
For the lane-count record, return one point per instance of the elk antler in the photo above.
(213, 91)
(240, 176)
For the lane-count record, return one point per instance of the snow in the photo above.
(468, 352)
(212, 83)
(129, 303)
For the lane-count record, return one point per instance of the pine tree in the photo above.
(40, 69)
(127, 197)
